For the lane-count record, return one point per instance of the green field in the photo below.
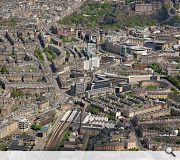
(151, 87)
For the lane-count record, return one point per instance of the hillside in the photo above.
(112, 16)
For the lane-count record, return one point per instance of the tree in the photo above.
(167, 4)
(94, 110)
(155, 67)
(111, 116)
(175, 80)
(38, 54)
(65, 138)
(17, 93)
(36, 127)
(50, 55)
(4, 70)
(175, 91)
(3, 147)
(178, 67)
(134, 149)
(177, 142)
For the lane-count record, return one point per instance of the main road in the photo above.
(168, 82)
(137, 138)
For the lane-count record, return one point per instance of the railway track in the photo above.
(56, 136)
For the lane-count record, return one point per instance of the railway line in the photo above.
(57, 131)
(60, 127)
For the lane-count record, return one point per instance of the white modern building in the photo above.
(23, 124)
(91, 49)
(92, 63)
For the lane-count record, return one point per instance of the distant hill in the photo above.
(114, 15)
